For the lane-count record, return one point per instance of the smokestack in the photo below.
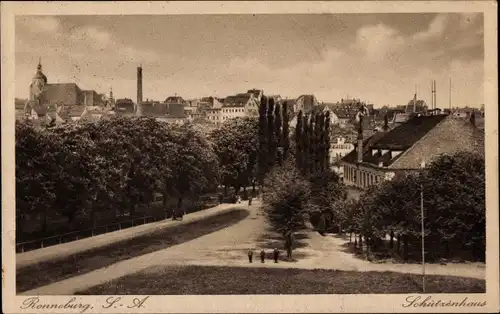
(139, 91)
(432, 95)
(360, 139)
(450, 96)
(435, 97)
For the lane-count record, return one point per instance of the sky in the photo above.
(379, 58)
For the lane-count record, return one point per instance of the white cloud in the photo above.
(379, 41)
(435, 29)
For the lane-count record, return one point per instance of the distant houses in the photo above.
(59, 102)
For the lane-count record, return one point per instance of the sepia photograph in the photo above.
(249, 153)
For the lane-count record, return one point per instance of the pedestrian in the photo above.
(250, 256)
(262, 256)
(221, 198)
(276, 254)
(250, 200)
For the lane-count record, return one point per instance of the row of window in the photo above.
(361, 178)
(342, 146)
(234, 110)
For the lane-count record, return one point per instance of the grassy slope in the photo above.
(45, 273)
(182, 280)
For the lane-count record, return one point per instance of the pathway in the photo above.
(70, 248)
(229, 247)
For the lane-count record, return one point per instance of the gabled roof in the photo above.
(407, 134)
(239, 100)
(174, 99)
(61, 93)
(416, 140)
(154, 108)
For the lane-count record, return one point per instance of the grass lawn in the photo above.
(182, 280)
(41, 274)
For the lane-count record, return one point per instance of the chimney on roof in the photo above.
(360, 139)
(139, 91)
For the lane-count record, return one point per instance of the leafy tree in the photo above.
(36, 160)
(454, 208)
(286, 198)
(195, 166)
(236, 144)
(327, 195)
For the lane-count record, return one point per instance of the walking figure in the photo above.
(276, 254)
(250, 200)
(250, 256)
(289, 244)
(262, 256)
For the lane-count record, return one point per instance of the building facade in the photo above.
(386, 154)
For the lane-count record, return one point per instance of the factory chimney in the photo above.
(139, 91)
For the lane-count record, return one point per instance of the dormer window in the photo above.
(395, 153)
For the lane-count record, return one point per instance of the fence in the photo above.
(82, 234)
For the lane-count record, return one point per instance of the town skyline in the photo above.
(379, 58)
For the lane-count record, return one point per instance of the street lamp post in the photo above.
(422, 165)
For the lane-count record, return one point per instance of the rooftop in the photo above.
(416, 139)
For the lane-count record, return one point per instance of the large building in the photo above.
(47, 100)
(305, 103)
(422, 138)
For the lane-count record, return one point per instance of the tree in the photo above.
(306, 144)
(326, 141)
(263, 141)
(278, 133)
(327, 195)
(454, 204)
(286, 131)
(36, 156)
(236, 144)
(195, 166)
(299, 142)
(271, 136)
(286, 198)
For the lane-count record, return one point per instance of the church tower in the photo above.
(38, 82)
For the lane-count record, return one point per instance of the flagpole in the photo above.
(422, 224)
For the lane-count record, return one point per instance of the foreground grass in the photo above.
(182, 280)
(41, 274)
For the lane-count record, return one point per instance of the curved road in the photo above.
(238, 236)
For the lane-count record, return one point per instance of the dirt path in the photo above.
(229, 247)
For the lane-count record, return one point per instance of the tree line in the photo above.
(121, 163)
(454, 197)
(294, 170)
